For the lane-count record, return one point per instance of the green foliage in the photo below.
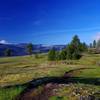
(10, 93)
(7, 52)
(69, 50)
(58, 55)
(63, 54)
(75, 41)
(83, 47)
(29, 48)
(75, 48)
(52, 55)
(58, 98)
(76, 55)
(72, 51)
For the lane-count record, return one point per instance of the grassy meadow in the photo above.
(20, 70)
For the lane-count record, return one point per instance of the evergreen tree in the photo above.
(58, 55)
(76, 55)
(69, 54)
(63, 54)
(69, 50)
(74, 49)
(52, 55)
(94, 44)
(84, 47)
(75, 40)
(7, 52)
(76, 44)
(30, 48)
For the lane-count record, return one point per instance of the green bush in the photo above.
(63, 54)
(52, 55)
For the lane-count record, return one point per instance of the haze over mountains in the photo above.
(20, 49)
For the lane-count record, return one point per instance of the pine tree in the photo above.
(84, 47)
(30, 48)
(94, 44)
(76, 42)
(72, 51)
(7, 52)
(75, 48)
(69, 51)
(52, 55)
(76, 55)
(63, 54)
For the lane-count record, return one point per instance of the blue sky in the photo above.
(49, 21)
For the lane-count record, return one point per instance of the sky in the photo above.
(49, 21)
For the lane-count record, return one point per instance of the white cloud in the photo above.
(3, 42)
(97, 36)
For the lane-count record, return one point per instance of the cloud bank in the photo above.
(3, 42)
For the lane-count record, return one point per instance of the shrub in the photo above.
(63, 54)
(52, 55)
(29, 48)
(8, 52)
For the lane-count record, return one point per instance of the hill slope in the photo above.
(20, 49)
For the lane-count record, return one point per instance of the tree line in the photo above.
(29, 50)
(95, 44)
(72, 51)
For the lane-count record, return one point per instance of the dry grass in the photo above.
(18, 70)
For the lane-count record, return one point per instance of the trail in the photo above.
(50, 83)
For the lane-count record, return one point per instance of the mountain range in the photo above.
(20, 49)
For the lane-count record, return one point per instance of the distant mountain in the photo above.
(20, 49)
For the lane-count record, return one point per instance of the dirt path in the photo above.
(48, 85)
(47, 91)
